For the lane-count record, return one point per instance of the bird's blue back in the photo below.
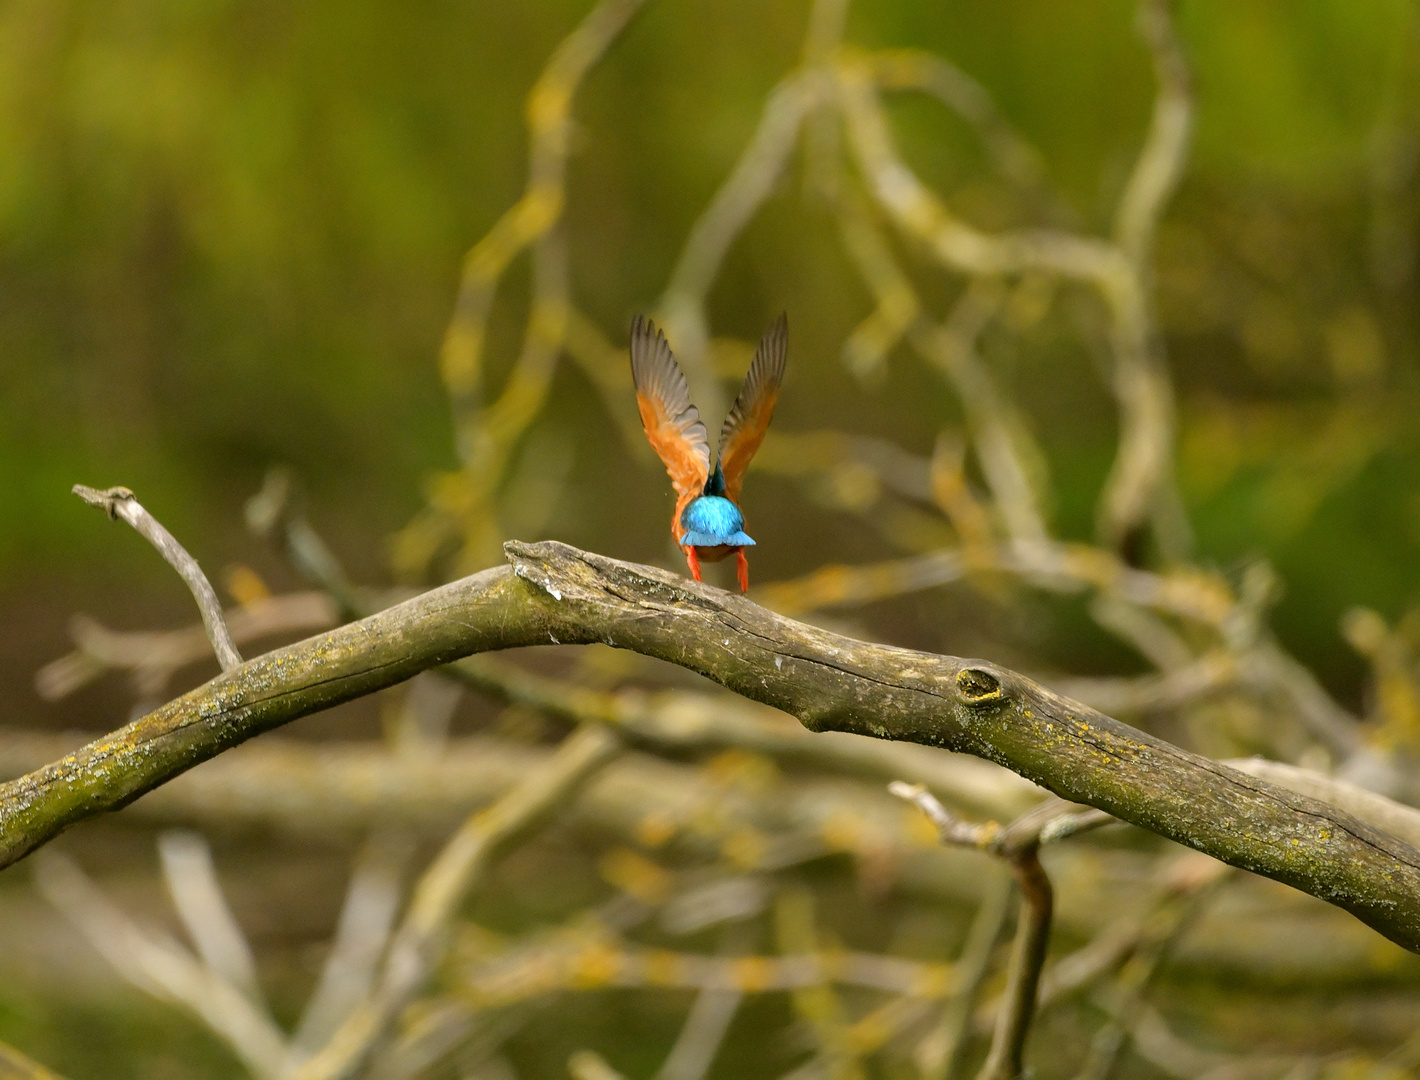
(711, 520)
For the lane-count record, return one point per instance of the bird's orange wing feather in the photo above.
(672, 423)
(749, 418)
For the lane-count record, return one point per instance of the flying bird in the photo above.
(707, 522)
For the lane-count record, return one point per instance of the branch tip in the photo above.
(107, 500)
(121, 502)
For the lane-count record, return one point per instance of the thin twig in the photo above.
(686, 719)
(937, 1054)
(1003, 446)
(579, 958)
(815, 1003)
(1265, 669)
(197, 895)
(462, 508)
(1141, 386)
(865, 349)
(151, 658)
(1157, 1044)
(160, 966)
(276, 513)
(119, 502)
(420, 939)
(1209, 675)
(366, 918)
(1003, 1061)
(699, 1040)
(682, 305)
(705, 1026)
(1160, 163)
(1189, 885)
(1141, 377)
(917, 69)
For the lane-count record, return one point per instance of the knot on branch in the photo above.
(978, 686)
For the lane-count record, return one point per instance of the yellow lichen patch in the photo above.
(1090, 564)
(661, 967)
(918, 828)
(745, 847)
(635, 874)
(654, 830)
(823, 587)
(596, 965)
(742, 769)
(1205, 596)
(842, 831)
(244, 585)
(934, 981)
(752, 974)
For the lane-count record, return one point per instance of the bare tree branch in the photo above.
(554, 593)
(682, 304)
(366, 919)
(119, 502)
(1003, 1061)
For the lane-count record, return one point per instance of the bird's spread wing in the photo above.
(671, 421)
(749, 419)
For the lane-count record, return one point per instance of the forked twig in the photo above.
(1019, 845)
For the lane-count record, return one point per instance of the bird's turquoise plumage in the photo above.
(712, 520)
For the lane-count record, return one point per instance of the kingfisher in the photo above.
(707, 521)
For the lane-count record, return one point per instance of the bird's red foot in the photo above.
(742, 569)
(693, 561)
